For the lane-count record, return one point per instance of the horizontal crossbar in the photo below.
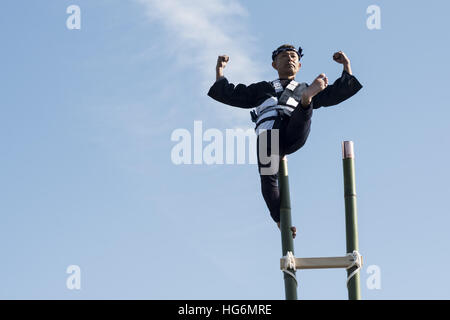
(321, 263)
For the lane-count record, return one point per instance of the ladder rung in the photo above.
(321, 263)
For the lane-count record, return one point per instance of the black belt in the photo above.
(255, 116)
(279, 115)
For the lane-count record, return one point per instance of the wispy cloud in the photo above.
(200, 30)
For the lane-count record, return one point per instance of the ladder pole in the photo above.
(287, 242)
(351, 222)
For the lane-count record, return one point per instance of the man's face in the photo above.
(286, 63)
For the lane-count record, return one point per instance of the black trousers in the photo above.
(288, 135)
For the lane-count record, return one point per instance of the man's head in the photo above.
(286, 60)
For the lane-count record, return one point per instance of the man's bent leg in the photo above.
(298, 128)
(269, 151)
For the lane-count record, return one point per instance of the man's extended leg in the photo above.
(271, 195)
(269, 154)
(269, 182)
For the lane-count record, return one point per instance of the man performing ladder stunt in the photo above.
(284, 106)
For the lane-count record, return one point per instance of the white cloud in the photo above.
(199, 31)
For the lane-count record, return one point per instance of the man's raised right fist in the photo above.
(222, 61)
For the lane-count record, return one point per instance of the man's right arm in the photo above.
(221, 63)
(241, 96)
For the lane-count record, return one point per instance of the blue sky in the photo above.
(87, 177)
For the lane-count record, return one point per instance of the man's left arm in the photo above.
(343, 88)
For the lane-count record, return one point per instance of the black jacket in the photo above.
(251, 96)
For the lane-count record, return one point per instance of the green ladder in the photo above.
(352, 261)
